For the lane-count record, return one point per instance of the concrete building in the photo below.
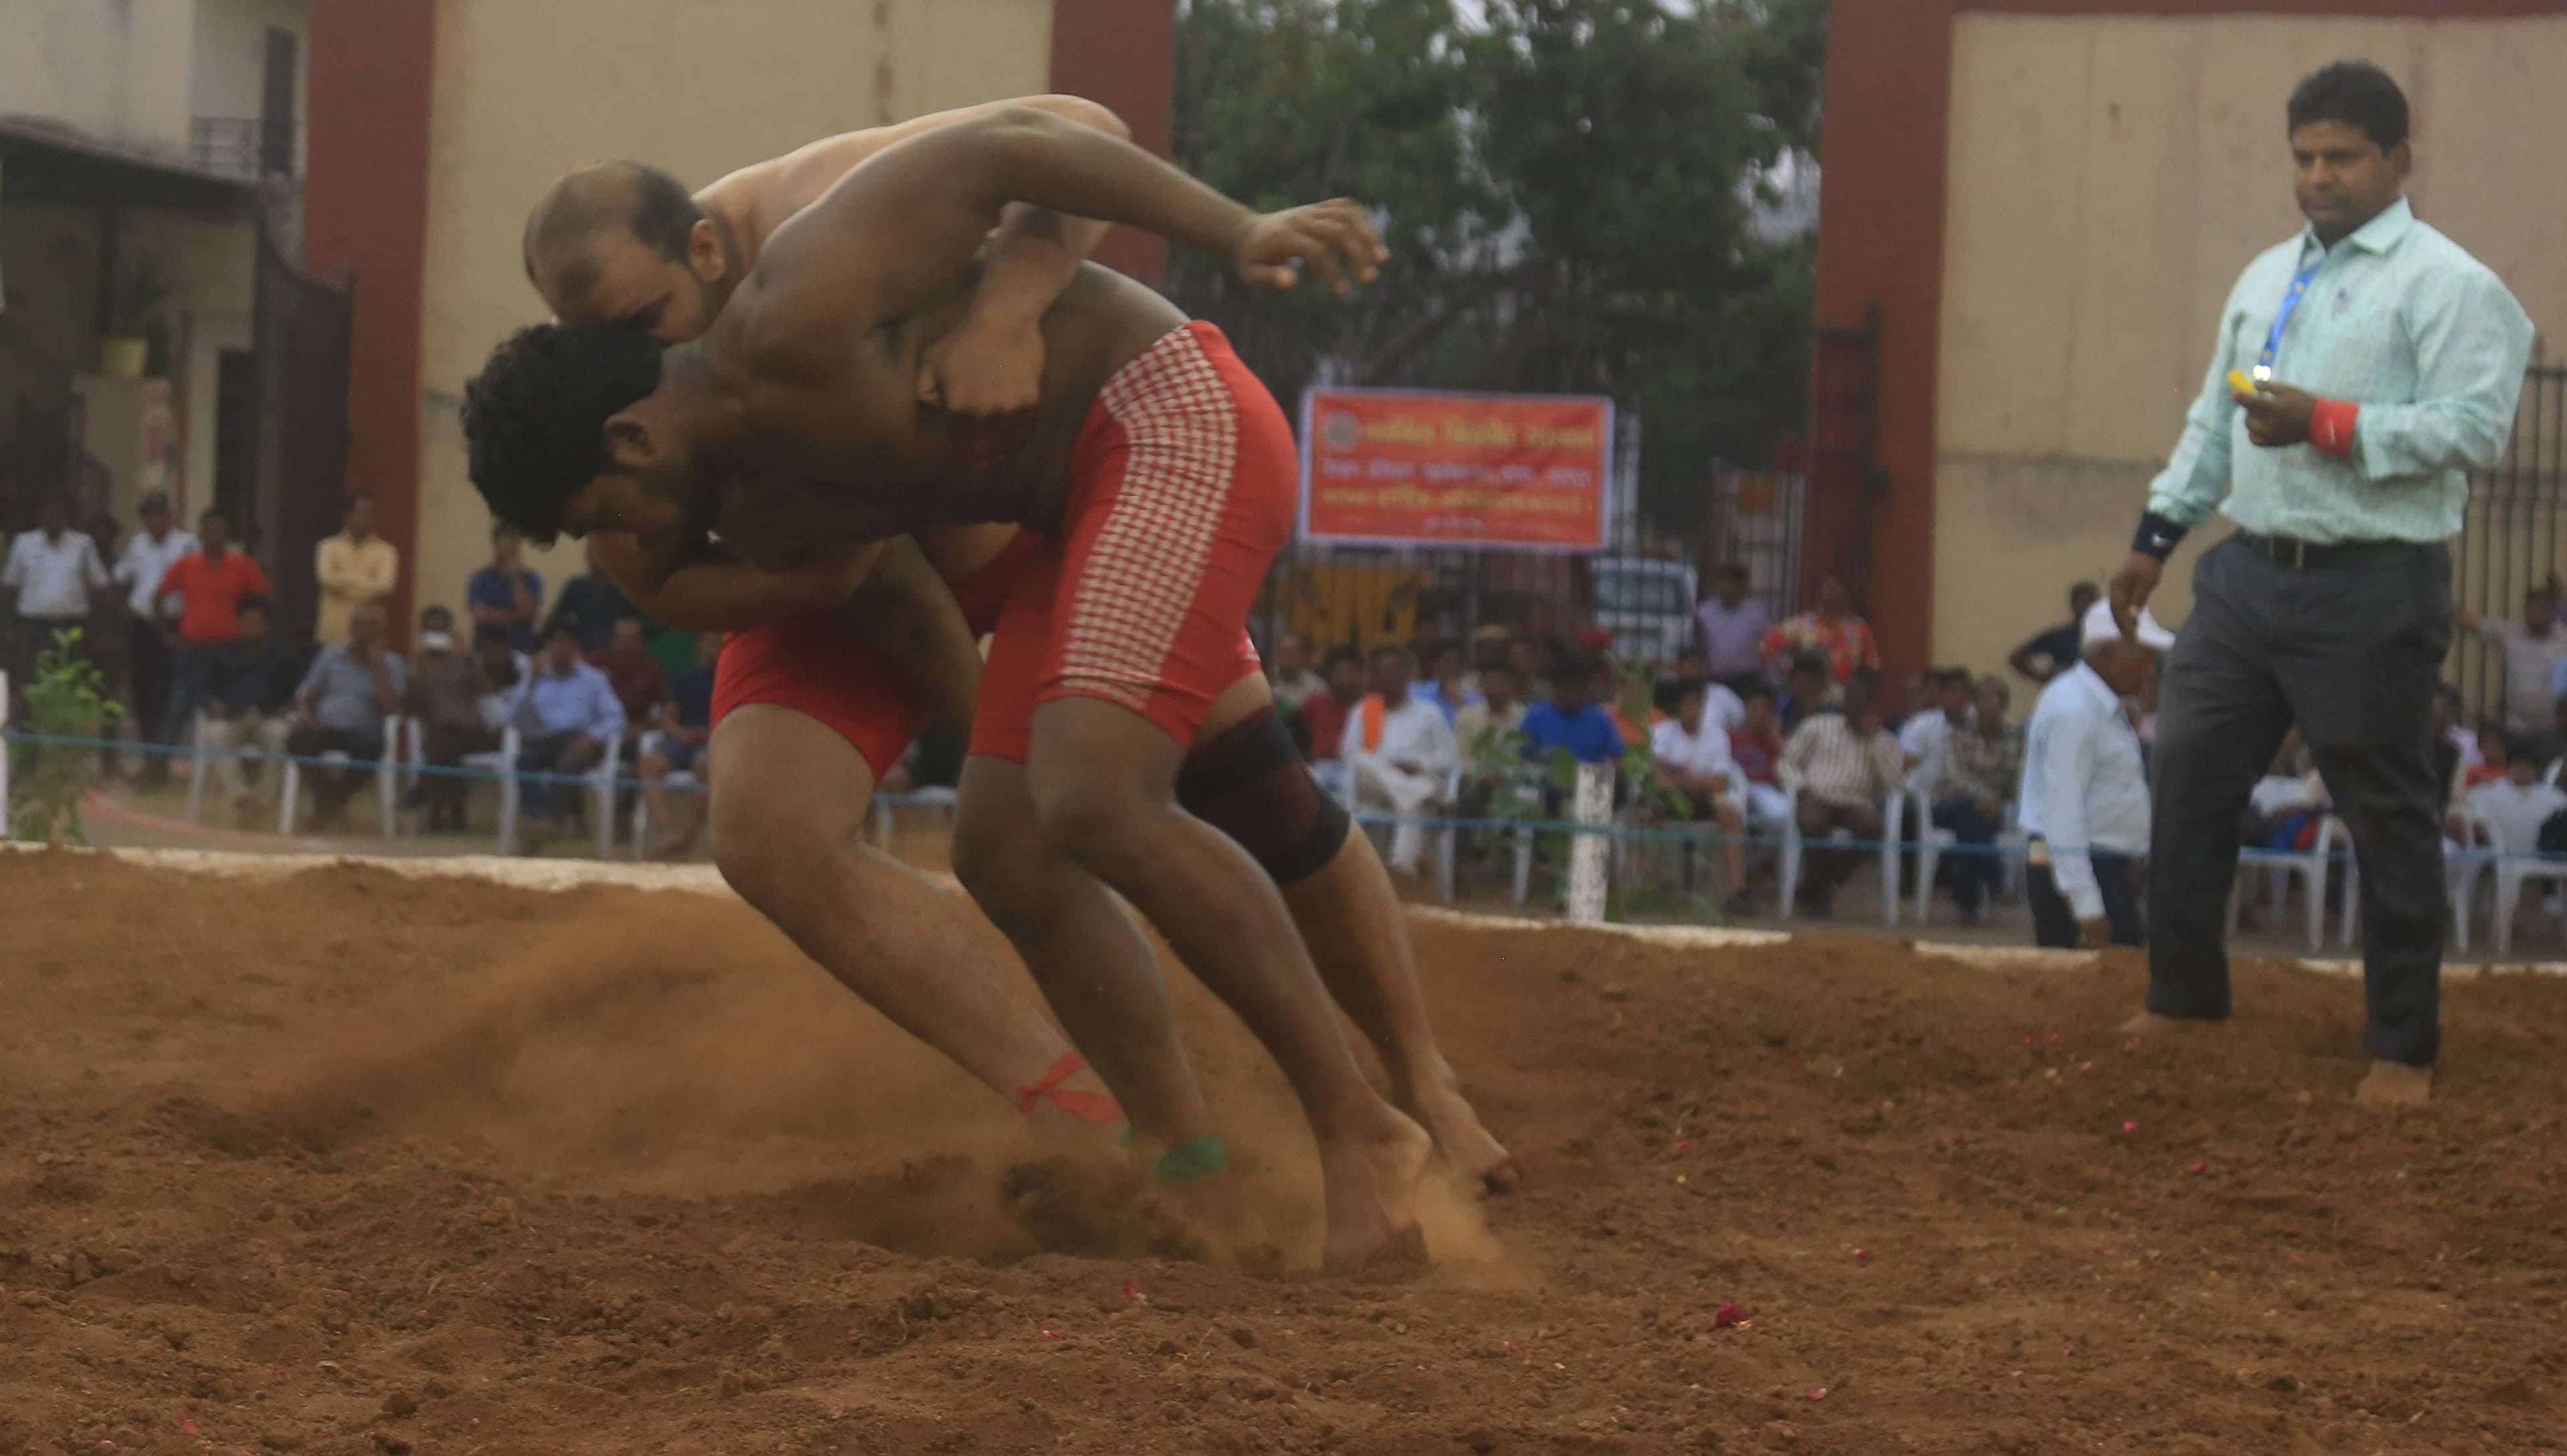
(437, 122)
(2031, 211)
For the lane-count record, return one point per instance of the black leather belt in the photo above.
(2298, 555)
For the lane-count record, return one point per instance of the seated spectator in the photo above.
(1326, 716)
(1532, 658)
(1845, 764)
(2515, 807)
(1923, 737)
(1627, 693)
(2084, 795)
(1296, 682)
(1974, 779)
(249, 690)
(566, 715)
(1693, 756)
(2493, 757)
(1399, 753)
(505, 670)
(355, 568)
(1830, 631)
(678, 746)
(1498, 712)
(1805, 692)
(1732, 628)
(448, 690)
(1569, 719)
(590, 604)
(2535, 657)
(2286, 806)
(210, 583)
(1448, 682)
(1756, 746)
(641, 683)
(2054, 650)
(506, 596)
(2454, 747)
(349, 691)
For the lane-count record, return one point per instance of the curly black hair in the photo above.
(536, 415)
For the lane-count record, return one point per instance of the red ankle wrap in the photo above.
(1093, 1108)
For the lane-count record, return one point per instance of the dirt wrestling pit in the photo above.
(343, 1162)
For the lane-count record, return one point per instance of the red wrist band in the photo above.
(2331, 426)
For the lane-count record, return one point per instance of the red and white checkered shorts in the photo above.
(1183, 483)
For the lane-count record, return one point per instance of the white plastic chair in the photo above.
(501, 763)
(885, 822)
(1932, 842)
(2309, 866)
(387, 771)
(598, 783)
(678, 778)
(1444, 838)
(2515, 865)
(1893, 816)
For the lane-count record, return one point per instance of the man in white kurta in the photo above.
(1400, 753)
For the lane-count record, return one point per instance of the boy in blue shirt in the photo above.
(1570, 719)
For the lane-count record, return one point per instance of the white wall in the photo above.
(230, 76)
(115, 69)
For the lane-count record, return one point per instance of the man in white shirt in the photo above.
(2085, 802)
(55, 572)
(2514, 808)
(151, 626)
(1693, 756)
(1921, 738)
(1400, 753)
(2535, 657)
(1294, 679)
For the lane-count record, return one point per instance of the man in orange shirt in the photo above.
(210, 583)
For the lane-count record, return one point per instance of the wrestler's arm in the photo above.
(904, 227)
(690, 583)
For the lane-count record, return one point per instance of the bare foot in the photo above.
(1461, 1140)
(1371, 1196)
(2395, 1084)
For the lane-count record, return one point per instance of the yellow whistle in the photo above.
(2239, 385)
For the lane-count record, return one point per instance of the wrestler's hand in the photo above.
(1334, 237)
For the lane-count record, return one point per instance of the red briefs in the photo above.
(1183, 484)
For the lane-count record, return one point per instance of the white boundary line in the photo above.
(557, 875)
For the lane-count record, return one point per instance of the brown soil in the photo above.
(350, 1164)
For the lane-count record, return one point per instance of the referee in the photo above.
(2362, 369)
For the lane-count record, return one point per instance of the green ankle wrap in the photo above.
(1189, 1161)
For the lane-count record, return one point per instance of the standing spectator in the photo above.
(2535, 656)
(566, 714)
(356, 568)
(1324, 715)
(679, 746)
(1922, 738)
(248, 706)
(210, 584)
(1400, 754)
(1756, 746)
(1499, 709)
(1693, 756)
(2084, 797)
(591, 603)
(1805, 692)
(446, 688)
(1845, 764)
(2053, 651)
(1448, 682)
(152, 630)
(2534, 652)
(1981, 765)
(56, 572)
(641, 683)
(2345, 464)
(1296, 682)
(506, 597)
(1733, 629)
(349, 691)
(1569, 718)
(1839, 639)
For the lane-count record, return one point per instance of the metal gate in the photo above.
(300, 478)
(2511, 541)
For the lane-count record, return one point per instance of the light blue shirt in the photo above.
(2084, 786)
(2399, 320)
(582, 701)
(1431, 690)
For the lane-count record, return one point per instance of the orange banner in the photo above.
(1514, 471)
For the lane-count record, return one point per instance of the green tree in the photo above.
(1568, 186)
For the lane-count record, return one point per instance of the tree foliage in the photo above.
(1568, 187)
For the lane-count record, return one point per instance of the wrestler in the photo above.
(812, 713)
(793, 428)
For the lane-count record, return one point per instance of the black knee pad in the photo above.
(1251, 785)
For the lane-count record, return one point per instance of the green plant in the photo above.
(67, 700)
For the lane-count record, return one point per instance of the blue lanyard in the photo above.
(2282, 317)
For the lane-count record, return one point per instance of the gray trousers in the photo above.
(2351, 654)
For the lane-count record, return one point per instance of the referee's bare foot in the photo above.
(2395, 1084)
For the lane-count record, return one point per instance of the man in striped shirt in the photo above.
(1844, 764)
